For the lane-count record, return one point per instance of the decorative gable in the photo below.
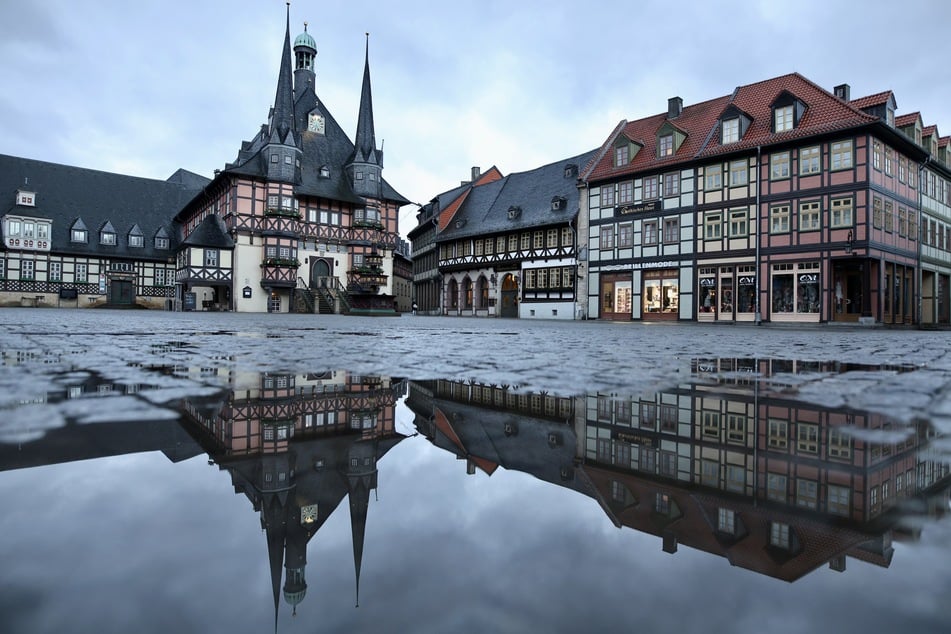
(788, 111)
(26, 198)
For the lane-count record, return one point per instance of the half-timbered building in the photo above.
(784, 202)
(313, 222)
(508, 249)
(75, 237)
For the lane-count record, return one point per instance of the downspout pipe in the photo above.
(758, 317)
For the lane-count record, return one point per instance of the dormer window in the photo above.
(621, 155)
(514, 212)
(787, 112)
(571, 170)
(783, 119)
(669, 140)
(78, 232)
(136, 239)
(730, 130)
(324, 171)
(25, 198)
(558, 203)
(107, 235)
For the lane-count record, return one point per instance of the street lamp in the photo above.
(848, 245)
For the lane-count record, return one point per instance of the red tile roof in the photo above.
(943, 141)
(824, 113)
(929, 130)
(877, 99)
(905, 120)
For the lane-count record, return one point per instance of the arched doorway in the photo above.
(452, 300)
(509, 296)
(320, 272)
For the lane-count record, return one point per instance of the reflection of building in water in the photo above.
(296, 445)
(492, 426)
(774, 484)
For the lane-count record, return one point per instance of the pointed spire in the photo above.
(366, 137)
(282, 120)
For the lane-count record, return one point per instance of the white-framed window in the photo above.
(81, 274)
(665, 145)
(107, 238)
(739, 173)
(3, 269)
(839, 445)
(739, 223)
(538, 240)
(889, 161)
(807, 493)
(567, 238)
(778, 434)
(809, 216)
(779, 535)
(841, 212)
(838, 499)
(55, 273)
(713, 177)
(136, 241)
(810, 161)
(783, 118)
(807, 438)
(776, 487)
(712, 226)
(211, 257)
(877, 155)
(78, 235)
(27, 269)
(161, 242)
(726, 521)
(779, 165)
(779, 219)
(730, 130)
(841, 155)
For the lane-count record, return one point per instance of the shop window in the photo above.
(795, 288)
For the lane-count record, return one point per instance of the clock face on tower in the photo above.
(315, 123)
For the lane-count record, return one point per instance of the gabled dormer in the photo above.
(78, 232)
(136, 238)
(787, 111)
(929, 139)
(733, 125)
(910, 124)
(625, 150)
(669, 139)
(161, 239)
(107, 234)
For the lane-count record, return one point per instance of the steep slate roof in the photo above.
(450, 202)
(824, 113)
(65, 194)
(333, 149)
(210, 232)
(486, 209)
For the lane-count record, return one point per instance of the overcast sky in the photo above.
(146, 87)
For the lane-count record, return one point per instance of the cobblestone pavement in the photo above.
(41, 346)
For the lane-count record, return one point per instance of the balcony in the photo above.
(283, 212)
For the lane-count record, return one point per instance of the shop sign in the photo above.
(656, 265)
(635, 439)
(746, 280)
(809, 278)
(627, 210)
(707, 282)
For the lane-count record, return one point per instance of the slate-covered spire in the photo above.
(365, 150)
(282, 119)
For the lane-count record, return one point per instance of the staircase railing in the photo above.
(308, 296)
(330, 288)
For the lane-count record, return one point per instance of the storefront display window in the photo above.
(795, 288)
(661, 293)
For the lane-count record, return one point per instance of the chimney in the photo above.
(476, 172)
(675, 105)
(842, 91)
